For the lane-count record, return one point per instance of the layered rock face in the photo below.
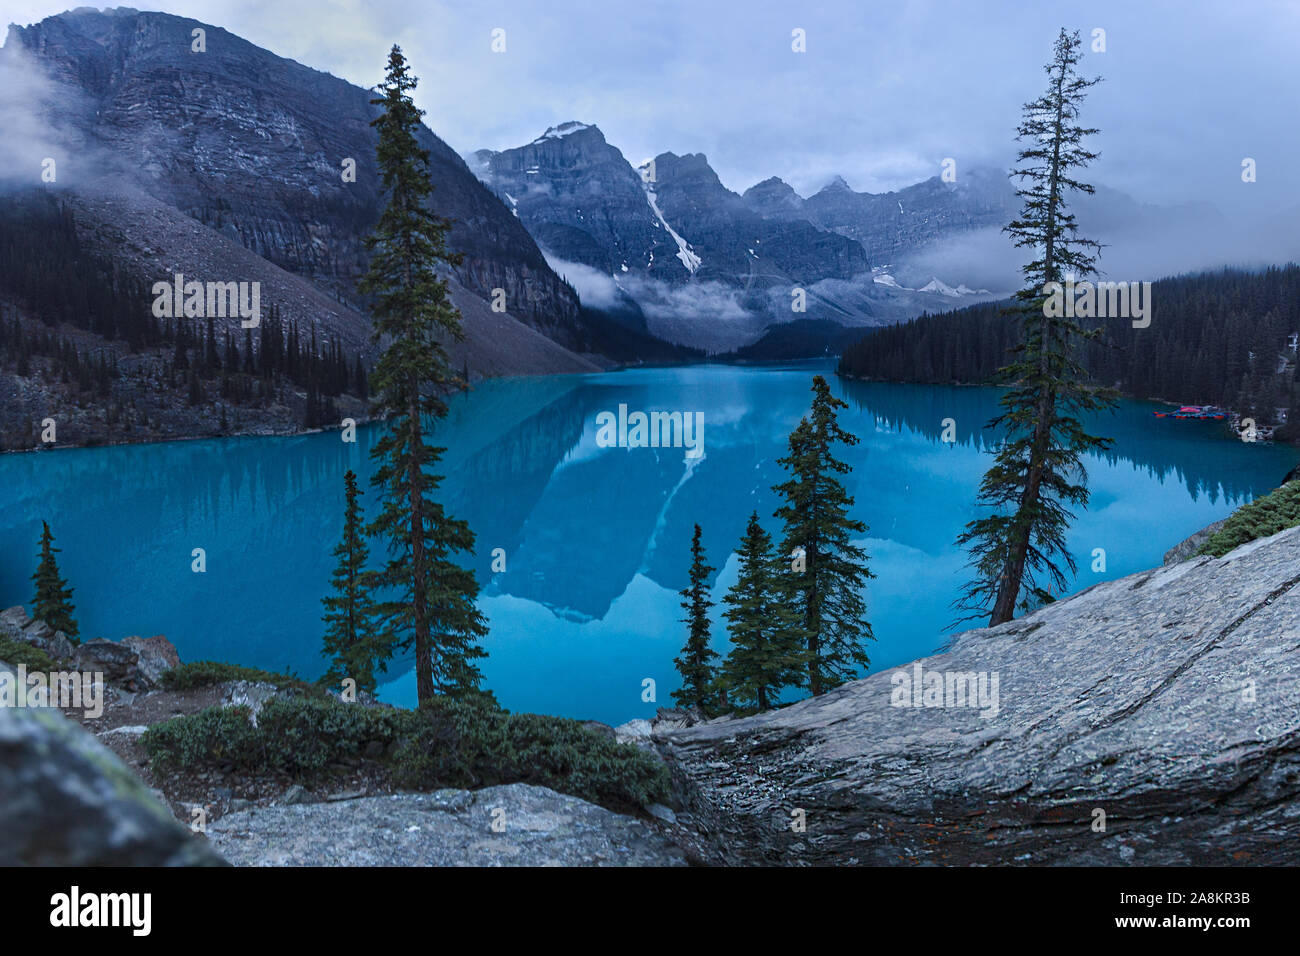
(253, 145)
(891, 225)
(670, 219)
(712, 269)
(1150, 720)
(582, 201)
(741, 244)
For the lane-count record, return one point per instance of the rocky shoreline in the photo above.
(1149, 720)
(1146, 720)
(93, 767)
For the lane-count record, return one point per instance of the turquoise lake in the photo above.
(596, 539)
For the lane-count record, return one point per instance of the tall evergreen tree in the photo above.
(432, 605)
(765, 654)
(827, 572)
(1038, 472)
(53, 601)
(696, 661)
(350, 642)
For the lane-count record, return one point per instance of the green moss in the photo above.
(463, 743)
(20, 652)
(1262, 518)
(210, 673)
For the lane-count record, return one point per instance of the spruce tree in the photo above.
(1038, 472)
(350, 643)
(827, 572)
(53, 601)
(765, 651)
(431, 603)
(696, 661)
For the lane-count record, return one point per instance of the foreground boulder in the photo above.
(514, 825)
(1150, 720)
(66, 800)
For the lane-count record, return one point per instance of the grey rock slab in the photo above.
(1168, 699)
(534, 826)
(1190, 545)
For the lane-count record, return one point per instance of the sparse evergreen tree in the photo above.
(696, 661)
(827, 572)
(1038, 472)
(53, 601)
(350, 643)
(766, 654)
(432, 604)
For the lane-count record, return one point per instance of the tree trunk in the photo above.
(424, 689)
(419, 597)
(1013, 572)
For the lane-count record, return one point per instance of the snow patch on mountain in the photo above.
(684, 252)
(561, 131)
(936, 285)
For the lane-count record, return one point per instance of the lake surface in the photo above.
(596, 539)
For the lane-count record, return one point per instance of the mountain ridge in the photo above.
(254, 144)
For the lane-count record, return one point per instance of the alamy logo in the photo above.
(73, 909)
(70, 690)
(653, 430)
(922, 688)
(1102, 300)
(211, 300)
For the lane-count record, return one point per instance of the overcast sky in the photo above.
(886, 89)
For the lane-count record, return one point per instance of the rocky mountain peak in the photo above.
(690, 166)
(569, 129)
(252, 144)
(773, 196)
(838, 184)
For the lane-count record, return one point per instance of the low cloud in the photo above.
(596, 289)
(41, 120)
(27, 138)
(707, 315)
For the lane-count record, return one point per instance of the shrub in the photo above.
(215, 736)
(565, 756)
(210, 673)
(454, 743)
(466, 742)
(1262, 518)
(20, 652)
(470, 744)
(303, 736)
